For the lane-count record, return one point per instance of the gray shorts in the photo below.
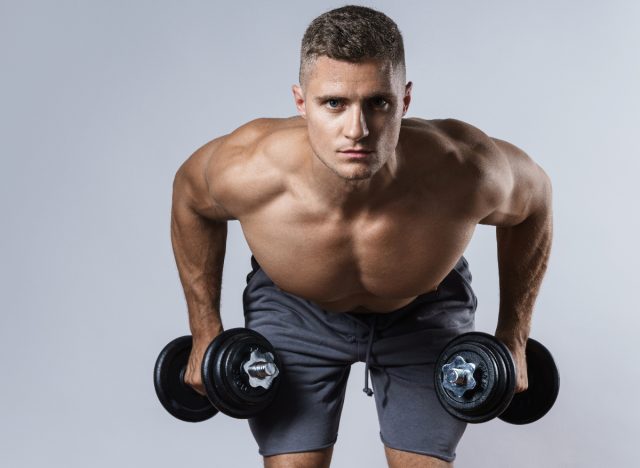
(399, 348)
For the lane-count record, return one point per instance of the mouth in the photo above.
(356, 153)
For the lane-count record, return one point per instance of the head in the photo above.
(352, 89)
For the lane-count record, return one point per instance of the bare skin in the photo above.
(359, 235)
(322, 459)
(318, 459)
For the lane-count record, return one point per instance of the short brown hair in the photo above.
(352, 33)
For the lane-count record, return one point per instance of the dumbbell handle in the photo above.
(262, 369)
(257, 370)
(457, 376)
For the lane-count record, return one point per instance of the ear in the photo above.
(407, 98)
(298, 97)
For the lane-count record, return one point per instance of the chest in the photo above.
(402, 248)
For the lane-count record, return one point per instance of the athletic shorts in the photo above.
(399, 349)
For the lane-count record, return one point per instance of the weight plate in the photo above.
(485, 375)
(227, 383)
(494, 375)
(510, 374)
(232, 364)
(178, 398)
(544, 385)
(248, 400)
(211, 373)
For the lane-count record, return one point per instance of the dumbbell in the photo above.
(475, 379)
(240, 372)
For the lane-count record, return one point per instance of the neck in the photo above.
(349, 196)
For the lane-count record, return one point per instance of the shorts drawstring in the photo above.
(372, 331)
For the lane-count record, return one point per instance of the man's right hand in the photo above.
(193, 373)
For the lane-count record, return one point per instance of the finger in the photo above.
(521, 385)
(197, 387)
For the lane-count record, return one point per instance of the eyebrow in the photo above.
(386, 95)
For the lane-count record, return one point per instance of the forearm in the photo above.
(523, 254)
(199, 248)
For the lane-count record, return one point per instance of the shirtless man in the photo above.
(357, 219)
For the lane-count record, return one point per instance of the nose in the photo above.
(356, 124)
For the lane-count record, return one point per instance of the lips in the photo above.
(357, 150)
(355, 154)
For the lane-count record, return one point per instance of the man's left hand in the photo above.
(520, 359)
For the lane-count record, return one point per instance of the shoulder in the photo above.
(479, 165)
(510, 185)
(245, 167)
(487, 161)
(451, 135)
(469, 150)
(476, 149)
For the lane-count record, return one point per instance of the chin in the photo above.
(357, 175)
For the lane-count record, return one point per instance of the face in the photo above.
(353, 105)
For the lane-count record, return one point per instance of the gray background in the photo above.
(100, 102)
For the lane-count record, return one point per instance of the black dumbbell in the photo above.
(475, 379)
(240, 371)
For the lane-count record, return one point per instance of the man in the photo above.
(357, 219)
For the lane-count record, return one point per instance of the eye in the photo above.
(330, 102)
(379, 102)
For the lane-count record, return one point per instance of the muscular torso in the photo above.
(401, 244)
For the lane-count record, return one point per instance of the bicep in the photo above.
(521, 187)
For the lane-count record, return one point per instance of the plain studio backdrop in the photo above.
(100, 103)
